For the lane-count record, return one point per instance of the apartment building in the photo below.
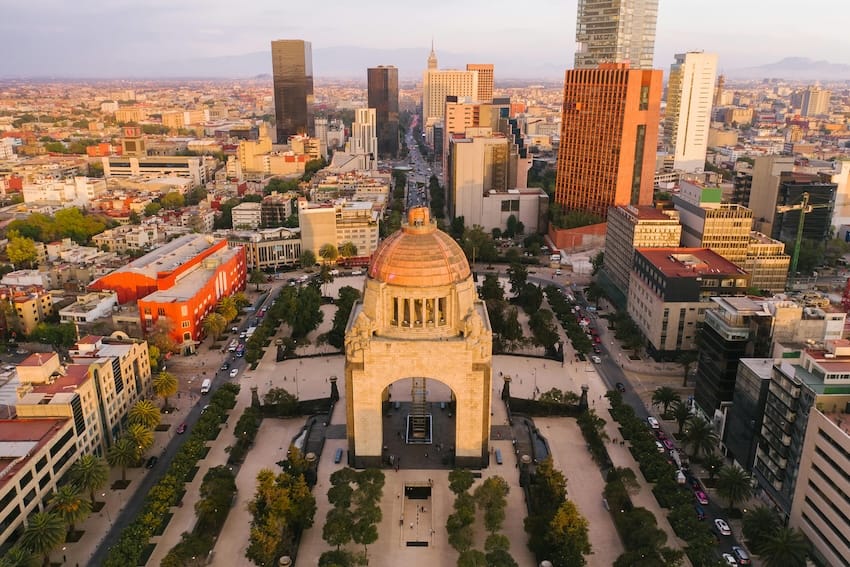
(690, 88)
(89, 307)
(70, 192)
(190, 167)
(24, 308)
(615, 30)
(670, 290)
(246, 216)
(267, 249)
(128, 237)
(337, 223)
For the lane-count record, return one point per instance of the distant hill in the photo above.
(795, 68)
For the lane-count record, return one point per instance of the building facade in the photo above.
(267, 249)
(615, 31)
(364, 137)
(690, 87)
(292, 76)
(382, 95)
(609, 131)
(485, 80)
(635, 227)
(338, 223)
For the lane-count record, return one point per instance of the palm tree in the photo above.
(687, 359)
(89, 473)
(594, 292)
(240, 300)
(18, 557)
(144, 413)
(70, 505)
(214, 325)
(45, 532)
(227, 307)
(141, 437)
(122, 453)
(784, 547)
(164, 385)
(700, 435)
(713, 463)
(734, 484)
(257, 277)
(348, 249)
(664, 396)
(680, 412)
(328, 253)
(758, 523)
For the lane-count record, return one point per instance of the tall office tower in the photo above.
(609, 131)
(815, 101)
(292, 69)
(718, 91)
(615, 31)
(689, 92)
(383, 97)
(364, 139)
(437, 85)
(485, 80)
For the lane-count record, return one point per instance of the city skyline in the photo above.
(53, 38)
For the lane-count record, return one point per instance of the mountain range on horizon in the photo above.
(346, 62)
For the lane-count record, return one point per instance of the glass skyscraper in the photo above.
(615, 31)
(383, 97)
(292, 70)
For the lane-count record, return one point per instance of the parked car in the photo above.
(722, 527)
(597, 350)
(700, 512)
(701, 497)
(659, 446)
(234, 372)
(668, 444)
(181, 429)
(741, 555)
(225, 366)
(729, 559)
(151, 462)
(653, 423)
(596, 359)
(620, 387)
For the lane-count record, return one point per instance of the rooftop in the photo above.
(187, 287)
(169, 256)
(22, 438)
(689, 262)
(75, 374)
(645, 212)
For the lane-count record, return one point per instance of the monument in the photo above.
(420, 319)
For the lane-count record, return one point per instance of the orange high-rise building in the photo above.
(485, 80)
(609, 133)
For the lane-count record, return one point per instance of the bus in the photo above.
(240, 351)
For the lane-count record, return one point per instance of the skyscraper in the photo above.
(292, 69)
(364, 140)
(485, 80)
(609, 130)
(437, 85)
(383, 97)
(615, 31)
(689, 92)
(815, 101)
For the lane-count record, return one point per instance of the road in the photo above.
(136, 502)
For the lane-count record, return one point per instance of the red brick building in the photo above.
(181, 281)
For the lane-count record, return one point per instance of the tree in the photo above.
(141, 437)
(161, 337)
(491, 289)
(17, 556)
(712, 463)
(517, 277)
(328, 253)
(240, 300)
(122, 454)
(344, 304)
(45, 531)
(214, 325)
(784, 547)
(152, 208)
(597, 262)
(687, 359)
(734, 484)
(568, 536)
(542, 326)
(307, 259)
(594, 292)
(21, 250)
(700, 436)
(144, 413)
(164, 386)
(308, 314)
(680, 413)
(257, 277)
(70, 505)
(460, 480)
(472, 558)
(347, 249)
(338, 527)
(62, 334)
(134, 218)
(227, 308)
(758, 524)
(89, 473)
(664, 396)
(172, 200)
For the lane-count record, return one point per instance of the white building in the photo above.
(190, 167)
(90, 307)
(689, 97)
(246, 215)
(437, 85)
(128, 237)
(74, 192)
(364, 137)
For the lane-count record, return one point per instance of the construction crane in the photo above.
(805, 208)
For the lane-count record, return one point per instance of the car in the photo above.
(558, 272)
(181, 429)
(701, 497)
(700, 512)
(722, 527)
(729, 559)
(668, 445)
(356, 272)
(741, 555)
(234, 373)
(596, 359)
(596, 349)
(660, 435)
(659, 446)
(653, 423)
(225, 366)
(151, 462)
(205, 408)
(620, 387)
(596, 339)
(338, 456)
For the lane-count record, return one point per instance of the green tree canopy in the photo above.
(172, 200)
(21, 250)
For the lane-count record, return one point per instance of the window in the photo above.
(160, 311)
(185, 324)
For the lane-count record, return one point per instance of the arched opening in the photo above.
(418, 425)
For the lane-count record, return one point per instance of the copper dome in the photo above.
(419, 255)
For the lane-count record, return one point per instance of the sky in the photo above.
(118, 37)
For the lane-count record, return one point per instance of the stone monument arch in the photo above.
(420, 318)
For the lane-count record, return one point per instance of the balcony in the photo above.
(786, 440)
(733, 329)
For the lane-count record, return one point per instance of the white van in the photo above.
(205, 386)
